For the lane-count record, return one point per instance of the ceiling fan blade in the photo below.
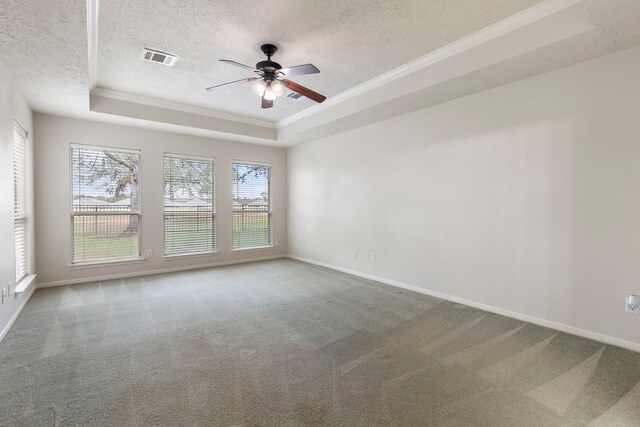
(248, 79)
(299, 70)
(266, 103)
(303, 90)
(237, 64)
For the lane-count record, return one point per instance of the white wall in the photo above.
(52, 199)
(525, 198)
(12, 107)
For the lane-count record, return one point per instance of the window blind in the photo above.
(251, 205)
(20, 197)
(189, 205)
(105, 209)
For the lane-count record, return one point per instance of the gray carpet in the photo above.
(283, 343)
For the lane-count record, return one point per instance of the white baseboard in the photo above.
(606, 339)
(151, 272)
(6, 329)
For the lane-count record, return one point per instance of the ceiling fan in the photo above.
(271, 78)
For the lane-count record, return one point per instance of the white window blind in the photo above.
(251, 205)
(20, 197)
(105, 211)
(189, 205)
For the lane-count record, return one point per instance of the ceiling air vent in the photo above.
(160, 57)
(294, 95)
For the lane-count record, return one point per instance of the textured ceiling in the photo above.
(616, 28)
(349, 41)
(43, 44)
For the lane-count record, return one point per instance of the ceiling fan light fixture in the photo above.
(259, 87)
(269, 93)
(277, 87)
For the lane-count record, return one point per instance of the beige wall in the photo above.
(525, 198)
(53, 199)
(12, 106)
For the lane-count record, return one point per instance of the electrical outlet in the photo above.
(149, 253)
(632, 304)
(373, 257)
(355, 253)
(276, 242)
(5, 294)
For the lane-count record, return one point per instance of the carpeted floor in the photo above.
(283, 343)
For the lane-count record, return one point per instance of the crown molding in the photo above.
(168, 105)
(543, 24)
(92, 42)
(163, 116)
(508, 25)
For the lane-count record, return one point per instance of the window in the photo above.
(189, 206)
(105, 211)
(20, 156)
(251, 205)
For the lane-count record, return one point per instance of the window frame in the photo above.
(212, 212)
(104, 261)
(270, 245)
(26, 212)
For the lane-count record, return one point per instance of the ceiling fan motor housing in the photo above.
(268, 66)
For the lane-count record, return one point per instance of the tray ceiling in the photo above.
(349, 41)
(43, 44)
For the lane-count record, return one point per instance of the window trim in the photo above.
(196, 157)
(105, 263)
(253, 248)
(190, 255)
(101, 262)
(270, 211)
(24, 284)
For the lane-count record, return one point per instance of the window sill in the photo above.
(96, 264)
(256, 248)
(193, 255)
(24, 284)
